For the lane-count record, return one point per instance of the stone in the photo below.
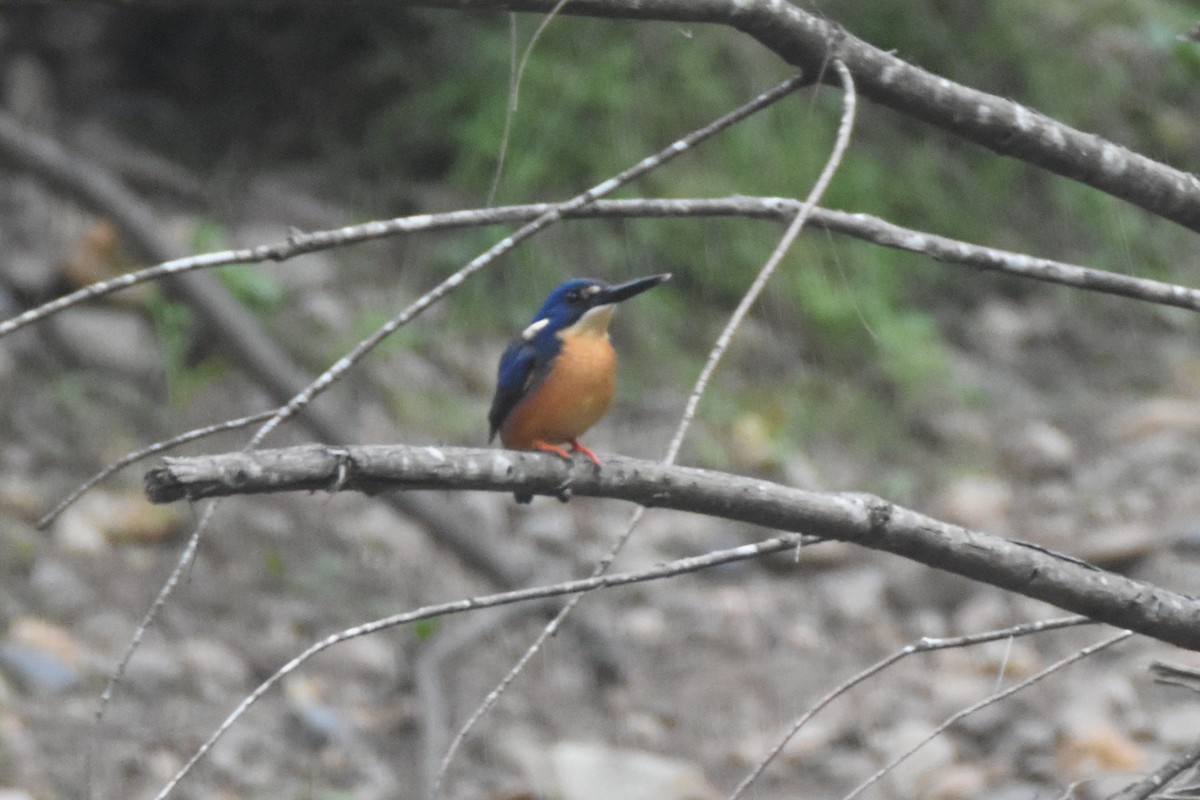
(1100, 750)
(60, 590)
(596, 771)
(215, 667)
(913, 776)
(978, 502)
(1040, 450)
(41, 657)
(110, 339)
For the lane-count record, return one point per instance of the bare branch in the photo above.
(1176, 675)
(808, 41)
(1152, 784)
(95, 741)
(780, 209)
(923, 646)
(679, 567)
(146, 452)
(987, 701)
(803, 213)
(714, 357)
(859, 518)
(551, 216)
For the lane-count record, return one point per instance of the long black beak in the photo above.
(624, 291)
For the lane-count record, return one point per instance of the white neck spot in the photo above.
(534, 329)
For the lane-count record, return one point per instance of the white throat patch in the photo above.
(594, 321)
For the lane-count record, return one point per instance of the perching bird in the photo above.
(557, 379)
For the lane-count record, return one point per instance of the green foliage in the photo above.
(174, 324)
(432, 91)
(249, 284)
(274, 564)
(426, 629)
(443, 413)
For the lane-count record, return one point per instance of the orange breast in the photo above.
(572, 398)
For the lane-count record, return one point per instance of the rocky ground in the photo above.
(1086, 411)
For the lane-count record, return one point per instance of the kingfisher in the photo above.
(557, 379)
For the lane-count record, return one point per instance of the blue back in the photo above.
(526, 362)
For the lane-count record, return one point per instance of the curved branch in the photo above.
(716, 558)
(1008, 128)
(865, 227)
(862, 519)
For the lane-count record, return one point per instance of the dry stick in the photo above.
(781, 249)
(1176, 675)
(429, 673)
(865, 227)
(135, 641)
(814, 196)
(514, 89)
(987, 701)
(809, 41)
(138, 455)
(552, 215)
(861, 226)
(855, 517)
(1153, 783)
(923, 646)
(510, 109)
(681, 566)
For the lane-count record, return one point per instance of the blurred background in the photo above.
(1019, 408)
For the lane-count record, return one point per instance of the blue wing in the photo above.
(519, 372)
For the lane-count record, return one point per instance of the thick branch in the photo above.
(861, 519)
(811, 43)
(1008, 128)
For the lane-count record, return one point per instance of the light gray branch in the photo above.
(866, 227)
(810, 42)
(862, 519)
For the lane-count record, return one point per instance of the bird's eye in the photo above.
(574, 296)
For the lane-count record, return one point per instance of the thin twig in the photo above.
(493, 696)
(764, 275)
(549, 630)
(925, 645)
(514, 89)
(1176, 675)
(160, 600)
(987, 701)
(552, 215)
(138, 455)
(1152, 785)
(430, 671)
(865, 227)
(679, 567)
(547, 218)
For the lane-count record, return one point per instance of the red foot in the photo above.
(576, 445)
(580, 447)
(546, 447)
